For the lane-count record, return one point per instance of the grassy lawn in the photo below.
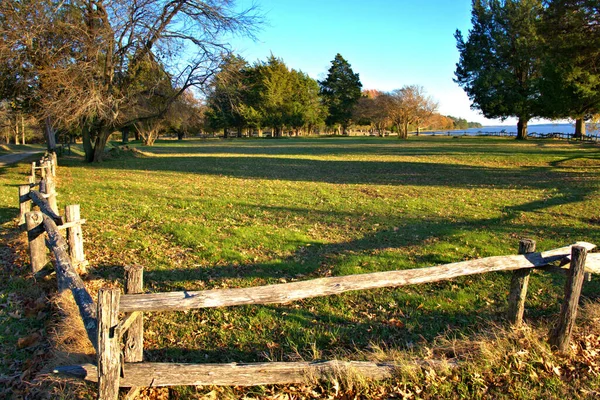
(204, 214)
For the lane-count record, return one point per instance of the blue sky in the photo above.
(390, 43)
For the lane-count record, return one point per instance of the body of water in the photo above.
(508, 130)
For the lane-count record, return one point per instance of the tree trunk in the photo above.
(100, 143)
(225, 133)
(87, 143)
(16, 131)
(22, 130)
(404, 134)
(50, 134)
(522, 128)
(125, 135)
(579, 128)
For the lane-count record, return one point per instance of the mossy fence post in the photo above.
(518, 286)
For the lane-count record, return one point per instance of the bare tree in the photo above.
(410, 106)
(374, 108)
(95, 63)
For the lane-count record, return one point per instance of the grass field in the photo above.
(210, 213)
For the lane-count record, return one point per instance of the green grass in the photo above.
(205, 214)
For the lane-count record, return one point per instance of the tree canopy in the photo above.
(341, 90)
(267, 94)
(570, 87)
(499, 62)
(95, 63)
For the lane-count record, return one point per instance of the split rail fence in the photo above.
(119, 340)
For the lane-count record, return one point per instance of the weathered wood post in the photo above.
(518, 286)
(49, 189)
(36, 238)
(42, 168)
(109, 351)
(568, 312)
(24, 202)
(53, 162)
(33, 171)
(75, 237)
(134, 337)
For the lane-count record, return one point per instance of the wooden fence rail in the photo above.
(119, 341)
(287, 292)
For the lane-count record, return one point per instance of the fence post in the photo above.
(49, 188)
(33, 171)
(134, 337)
(24, 202)
(568, 312)
(75, 236)
(518, 286)
(36, 238)
(43, 168)
(54, 162)
(109, 351)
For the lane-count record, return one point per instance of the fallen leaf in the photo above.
(28, 340)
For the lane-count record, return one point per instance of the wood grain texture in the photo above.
(284, 293)
(239, 374)
(44, 206)
(37, 240)
(568, 313)
(109, 350)
(518, 286)
(75, 236)
(24, 202)
(134, 337)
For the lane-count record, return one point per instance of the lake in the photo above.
(511, 130)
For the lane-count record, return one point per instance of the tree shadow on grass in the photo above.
(357, 146)
(334, 334)
(393, 173)
(312, 259)
(303, 334)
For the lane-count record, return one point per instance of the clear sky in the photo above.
(390, 43)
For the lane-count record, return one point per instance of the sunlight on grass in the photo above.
(206, 214)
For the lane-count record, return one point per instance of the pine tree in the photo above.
(571, 84)
(340, 92)
(499, 64)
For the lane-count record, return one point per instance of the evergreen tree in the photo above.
(570, 87)
(227, 94)
(274, 89)
(340, 92)
(499, 64)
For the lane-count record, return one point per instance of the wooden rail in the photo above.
(287, 292)
(43, 231)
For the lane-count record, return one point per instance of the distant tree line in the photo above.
(267, 95)
(533, 58)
